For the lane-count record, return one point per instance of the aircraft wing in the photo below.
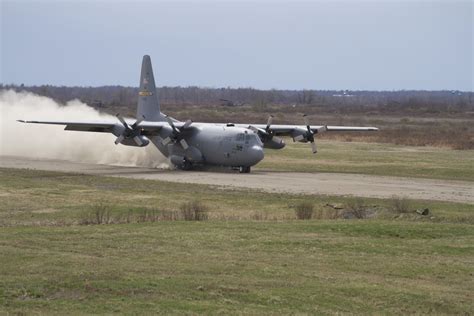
(152, 128)
(148, 128)
(287, 130)
(83, 126)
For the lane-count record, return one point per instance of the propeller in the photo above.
(267, 134)
(267, 128)
(310, 134)
(130, 131)
(175, 136)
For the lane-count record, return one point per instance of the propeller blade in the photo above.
(120, 118)
(166, 141)
(269, 122)
(138, 122)
(253, 128)
(170, 122)
(306, 122)
(119, 139)
(313, 147)
(138, 141)
(187, 124)
(184, 144)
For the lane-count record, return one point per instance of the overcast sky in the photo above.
(376, 45)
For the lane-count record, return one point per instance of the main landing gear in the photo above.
(244, 169)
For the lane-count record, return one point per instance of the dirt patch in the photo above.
(284, 182)
(45, 211)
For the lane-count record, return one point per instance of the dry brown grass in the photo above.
(99, 214)
(356, 208)
(399, 205)
(459, 137)
(194, 211)
(449, 130)
(304, 210)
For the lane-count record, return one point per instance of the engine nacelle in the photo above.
(300, 135)
(187, 158)
(137, 141)
(193, 155)
(268, 140)
(177, 160)
(274, 143)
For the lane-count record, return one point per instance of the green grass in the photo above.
(322, 267)
(371, 158)
(229, 264)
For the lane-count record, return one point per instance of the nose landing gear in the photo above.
(244, 169)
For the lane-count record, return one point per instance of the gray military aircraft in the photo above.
(191, 144)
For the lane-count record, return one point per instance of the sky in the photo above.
(354, 45)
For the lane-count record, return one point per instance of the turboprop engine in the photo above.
(305, 136)
(267, 136)
(274, 143)
(181, 153)
(187, 158)
(137, 141)
(130, 135)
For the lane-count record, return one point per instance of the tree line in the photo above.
(112, 96)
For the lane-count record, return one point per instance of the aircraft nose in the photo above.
(256, 154)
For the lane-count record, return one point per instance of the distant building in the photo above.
(345, 93)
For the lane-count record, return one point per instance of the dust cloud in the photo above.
(51, 141)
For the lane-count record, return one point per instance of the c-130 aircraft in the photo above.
(191, 144)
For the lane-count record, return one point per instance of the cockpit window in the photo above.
(248, 138)
(257, 139)
(240, 137)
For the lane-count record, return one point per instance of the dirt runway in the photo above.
(269, 181)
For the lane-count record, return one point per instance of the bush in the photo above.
(399, 205)
(304, 210)
(99, 214)
(356, 208)
(148, 215)
(194, 211)
(259, 216)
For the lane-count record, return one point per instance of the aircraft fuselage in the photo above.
(213, 144)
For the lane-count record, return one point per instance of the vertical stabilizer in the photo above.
(148, 105)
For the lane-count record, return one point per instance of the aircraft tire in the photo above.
(187, 165)
(244, 169)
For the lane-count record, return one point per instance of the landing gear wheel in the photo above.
(187, 165)
(243, 169)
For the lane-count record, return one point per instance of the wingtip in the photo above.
(21, 121)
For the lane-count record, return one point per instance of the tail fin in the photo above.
(148, 105)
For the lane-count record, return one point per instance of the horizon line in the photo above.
(3, 85)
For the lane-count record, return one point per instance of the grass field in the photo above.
(49, 198)
(372, 158)
(322, 267)
(252, 256)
